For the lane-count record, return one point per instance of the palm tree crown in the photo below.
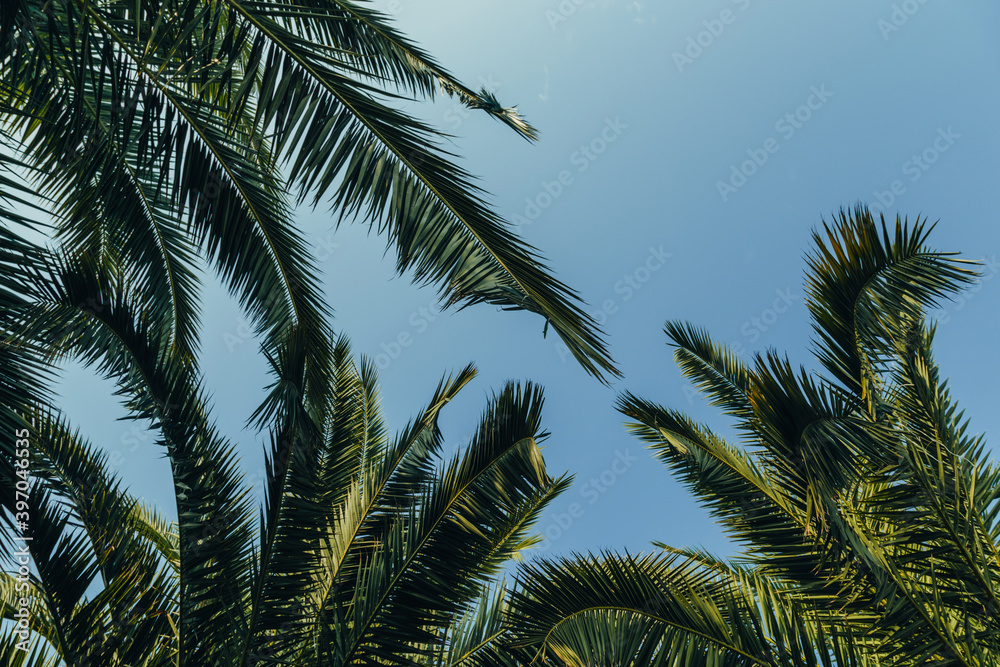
(155, 132)
(368, 549)
(867, 512)
(140, 137)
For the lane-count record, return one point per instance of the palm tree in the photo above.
(159, 131)
(866, 511)
(367, 549)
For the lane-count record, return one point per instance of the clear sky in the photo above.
(648, 111)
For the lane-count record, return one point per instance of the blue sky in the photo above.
(687, 150)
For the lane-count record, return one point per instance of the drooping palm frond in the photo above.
(867, 513)
(156, 131)
(373, 46)
(214, 535)
(23, 372)
(738, 491)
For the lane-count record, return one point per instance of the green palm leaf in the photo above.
(369, 550)
(173, 132)
(867, 513)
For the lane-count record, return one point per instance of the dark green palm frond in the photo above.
(430, 211)
(355, 433)
(487, 101)
(374, 575)
(23, 376)
(495, 514)
(260, 75)
(137, 593)
(433, 562)
(374, 47)
(34, 654)
(621, 637)
(214, 529)
(23, 372)
(65, 569)
(170, 155)
(294, 516)
(160, 533)
(861, 279)
(812, 440)
(762, 501)
(624, 610)
(704, 559)
(714, 369)
(868, 511)
(77, 139)
(87, 159)
(938, 518)
(389, 168)
(475, 638)
(805, 430)
(19, 207)
(150, 134)
(416, 449)
(735, 488)
(370, 499)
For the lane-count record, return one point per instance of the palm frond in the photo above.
(475, 638)
(715, 370)
(373, 46)
(23, 371)
(214, 515)
(183, 133)
(861, 279)
(434, 561)
(624, 610)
